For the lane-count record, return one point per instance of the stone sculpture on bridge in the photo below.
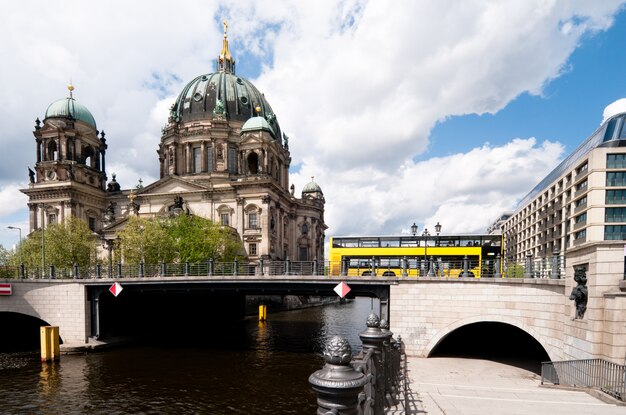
(580, 293)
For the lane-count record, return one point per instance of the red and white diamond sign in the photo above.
(342, 289)
(116, 289)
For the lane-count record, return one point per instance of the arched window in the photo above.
(88, 156)
(52, 150)
(253, 163)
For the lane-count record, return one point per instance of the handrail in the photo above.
(366, 383)
(433, 268)
(600, 374)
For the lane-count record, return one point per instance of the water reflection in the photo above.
(243, 368)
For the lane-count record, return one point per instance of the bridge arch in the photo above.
(515, 322)
(20, 331)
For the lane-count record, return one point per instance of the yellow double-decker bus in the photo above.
(417, 256)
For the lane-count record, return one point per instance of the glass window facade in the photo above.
(581, 218)
(581, 202)
(615, 197)
(614, 232)
(615, 161)
(617, 214)
(224, 217)
(209, 158)
(581, 185)
(252, 250)
(616, 178)
(580, 235)
(232, 160)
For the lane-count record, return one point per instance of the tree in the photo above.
(4, 255)
(180, 238)
(147, 240)
(66, 244)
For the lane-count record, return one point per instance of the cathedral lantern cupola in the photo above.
(68, 145)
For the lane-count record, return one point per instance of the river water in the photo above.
(245, 368)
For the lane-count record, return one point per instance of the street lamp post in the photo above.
(417, 263)
(20, 243)
(429, 262)
(438, 231)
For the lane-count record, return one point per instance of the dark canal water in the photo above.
(246, 368)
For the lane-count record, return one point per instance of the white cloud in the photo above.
(357, 85)
(614, 108)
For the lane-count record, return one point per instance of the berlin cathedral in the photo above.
(222, 156)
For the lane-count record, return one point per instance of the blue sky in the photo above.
(424, 112)
(568, 110)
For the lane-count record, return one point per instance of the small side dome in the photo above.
(312, 190)
(70, 108)
(257, 124)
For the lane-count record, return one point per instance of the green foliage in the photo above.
(514, 271)
(4, 255)
(178, 239)
(66, 244)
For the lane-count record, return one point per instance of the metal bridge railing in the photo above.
(434, 267)
(600, 374)
(366, 383)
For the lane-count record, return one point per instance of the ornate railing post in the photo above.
(465, 267)
(98, 270)
(372, 339)
(52, 273)
(496, 267)
(529, 265)
(76, 274)
(337, 385)
(162, 268)
(315, 266)
(287, 266)
(388, 363)
(22, 271)
(404, 272)
(119, 270)
(235, 267)
(556, 271)
(344, 267)
(210, 267)
(186, 268)
(141, 269)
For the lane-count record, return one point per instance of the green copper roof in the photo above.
(256, 124)
(70, 108)
(311, 187)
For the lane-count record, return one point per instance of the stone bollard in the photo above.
(337, 385)
(373, 338)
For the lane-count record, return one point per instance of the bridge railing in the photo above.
(600, 374)
(434, 267)
(366, 383)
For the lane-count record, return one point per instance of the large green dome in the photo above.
(239, 97)
(70, 108)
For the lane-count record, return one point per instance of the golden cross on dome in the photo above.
(70, 88)
(225, 27)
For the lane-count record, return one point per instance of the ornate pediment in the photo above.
(171, 185)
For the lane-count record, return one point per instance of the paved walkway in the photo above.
(455, 386)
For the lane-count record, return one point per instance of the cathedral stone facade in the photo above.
(221, 156)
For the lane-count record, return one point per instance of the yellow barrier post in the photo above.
(262, 312)
(49, 337)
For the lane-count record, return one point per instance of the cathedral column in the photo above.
(188, 158)
(38, 150)
(62, 148)
(203, 156)
(32, 216)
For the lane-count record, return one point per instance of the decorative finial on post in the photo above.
(258, 111)
(338, 384)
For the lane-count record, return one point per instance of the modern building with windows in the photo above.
(222, 156)
(577, 214)
(581, 203)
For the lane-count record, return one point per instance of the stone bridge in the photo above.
(424, 311)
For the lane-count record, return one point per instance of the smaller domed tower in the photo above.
(69, 175)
